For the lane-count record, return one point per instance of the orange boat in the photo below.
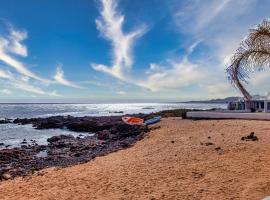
(133, 120)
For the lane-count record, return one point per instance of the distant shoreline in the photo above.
(117, 103)
(208, 102)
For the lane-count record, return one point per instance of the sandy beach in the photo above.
(184, 159)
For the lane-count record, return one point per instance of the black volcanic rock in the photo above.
(111, 134)
(250, 137)
(5, 121)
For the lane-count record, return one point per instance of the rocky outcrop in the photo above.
(64, 150)
(5, 121)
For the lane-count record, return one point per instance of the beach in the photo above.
(183, 159)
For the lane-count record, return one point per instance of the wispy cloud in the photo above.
(5, 91)
(6, 74)
(221, 24)
(198, 14)
(121, 92)
(221, 90)
(110, 24)
(175, 76)
(60, 78)
(22, 83)
(12, 44)
(32, 89)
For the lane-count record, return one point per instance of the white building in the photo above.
(256, 105)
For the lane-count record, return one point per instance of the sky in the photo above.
(123, 50)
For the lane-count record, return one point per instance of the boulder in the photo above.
(6, 176)
(104, 135)
(58, 138)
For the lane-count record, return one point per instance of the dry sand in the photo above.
(169, 163)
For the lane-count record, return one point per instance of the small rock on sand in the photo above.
(6, 176)
(250, 137)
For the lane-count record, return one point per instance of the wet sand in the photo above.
(184, 159)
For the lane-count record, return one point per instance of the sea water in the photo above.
(13, 134)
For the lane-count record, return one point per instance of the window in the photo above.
(268, 105)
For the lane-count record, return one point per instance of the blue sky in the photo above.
(123, 50)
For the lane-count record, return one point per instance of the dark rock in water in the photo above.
(250, 137)
(24, 141)
(49, 125)
(5, 121)
(89, 126)
(23, 121)
(2, 144)
(120, 112)
(59, 137)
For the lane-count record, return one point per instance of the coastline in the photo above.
(183, 159)
(99, 136)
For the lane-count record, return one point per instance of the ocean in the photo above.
(13, 135)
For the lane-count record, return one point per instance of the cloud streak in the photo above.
(12, 44)
(60, 78)
(110, 24)
(176, 76)
(22, 84)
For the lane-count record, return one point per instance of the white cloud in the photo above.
(205, 17)
(222, 90)
(218, 25)
(30, 88)
(260, 78)
(177, 75)
(221, 24)
(12, 44)
(59, 78)
(110, 25)
(5, 91)
(22, 84)
(121, 92)
(15, 39)
(5, 74)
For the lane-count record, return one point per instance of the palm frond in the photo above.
(252, 55)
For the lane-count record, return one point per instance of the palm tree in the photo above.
(252, 55)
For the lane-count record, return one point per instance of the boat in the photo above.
(152, 120)
(133, 120)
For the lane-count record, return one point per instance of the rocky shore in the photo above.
(183, 159)
(111, 134)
